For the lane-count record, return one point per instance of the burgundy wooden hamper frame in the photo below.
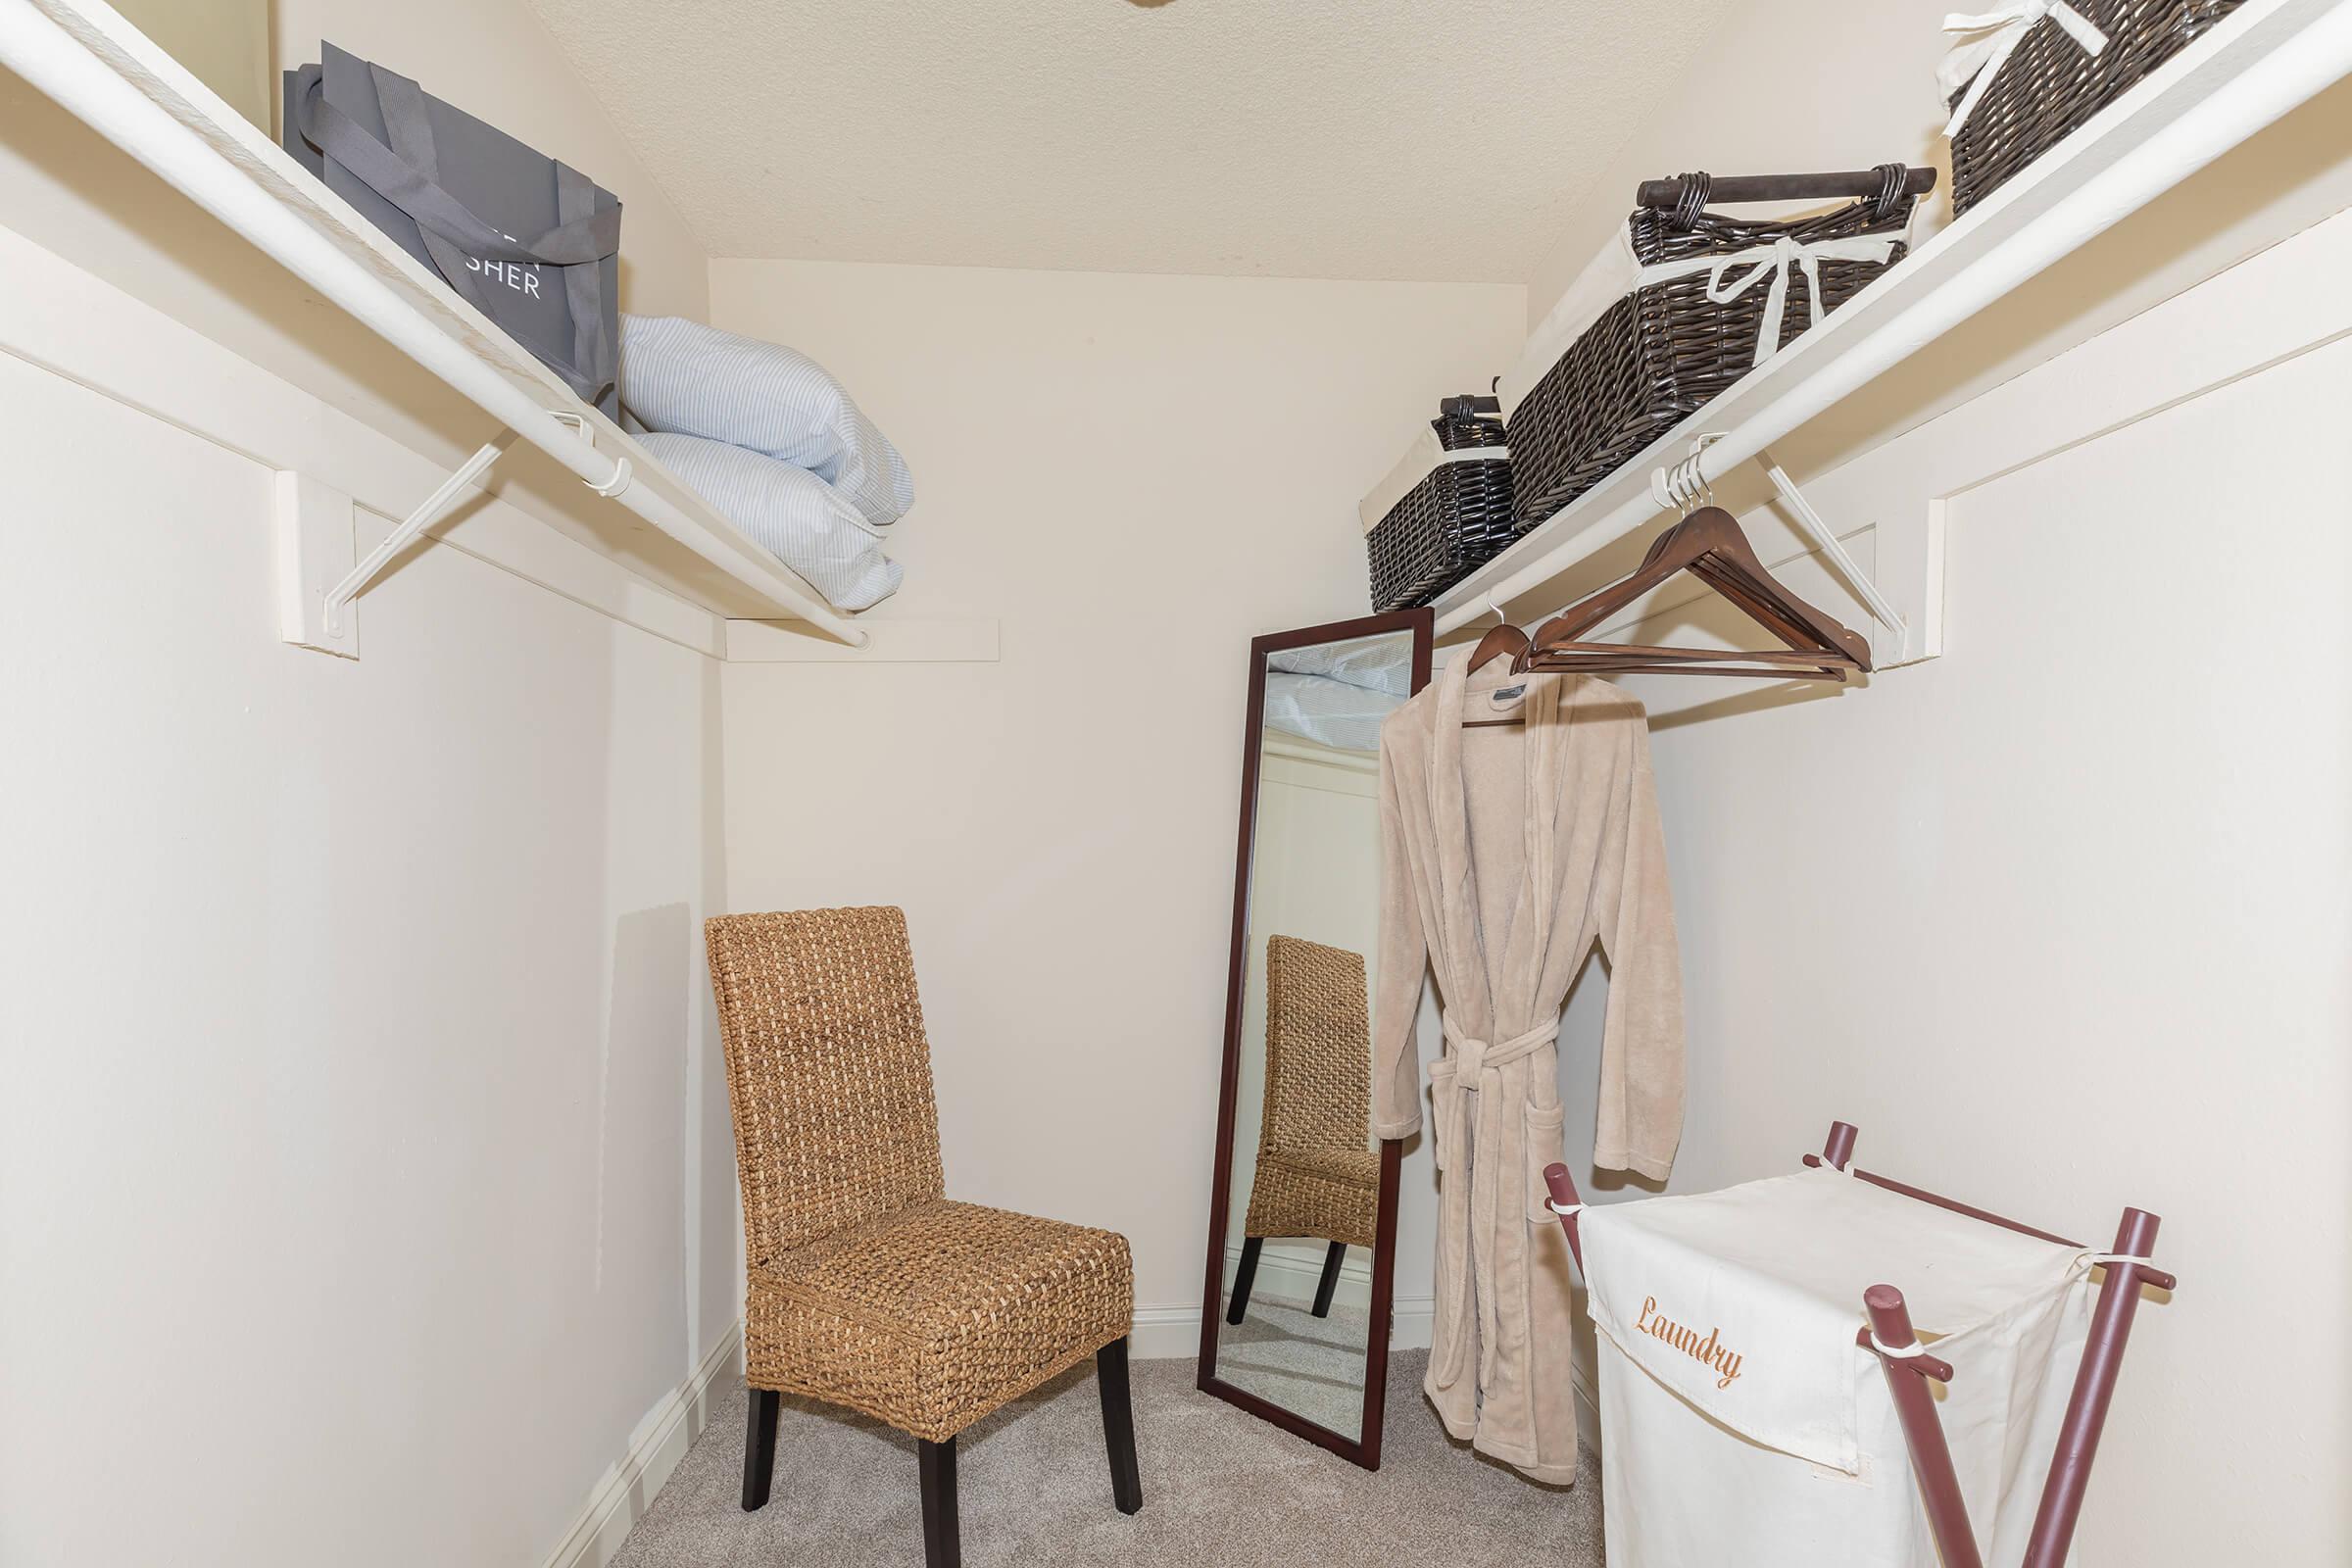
(1909, 1367)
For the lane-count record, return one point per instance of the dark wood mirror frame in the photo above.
(1365, 1450)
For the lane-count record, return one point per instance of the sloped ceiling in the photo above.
(1393, 139)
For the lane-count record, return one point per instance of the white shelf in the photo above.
(107, 74)
(2263, 61)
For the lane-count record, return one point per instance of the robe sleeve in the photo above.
(1403, 962)
(1640, 1119)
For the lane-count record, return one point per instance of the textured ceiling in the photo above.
(1302, 138)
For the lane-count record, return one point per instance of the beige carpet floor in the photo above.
(1220, 1488)
(1313, 1366)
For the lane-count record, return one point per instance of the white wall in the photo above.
(71, 192)
(1136, 474)
(224, 42)
(364, 1141)
(497, 60)
(1314, 875)
(365, 1175)
(2059, 919)
(1787, 85)
(366, 1137)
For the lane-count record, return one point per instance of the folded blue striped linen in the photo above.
(684, 379)
(788, 511)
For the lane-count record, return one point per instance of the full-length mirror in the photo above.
(1295, 1325)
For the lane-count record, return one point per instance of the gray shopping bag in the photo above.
(530, 243)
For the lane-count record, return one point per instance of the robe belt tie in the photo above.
(1494, 1182)
(1472, 1057)
(1774, 260)
(1984, 44)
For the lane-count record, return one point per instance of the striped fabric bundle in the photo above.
(790, 512)
(1338, 694)
(766, 435)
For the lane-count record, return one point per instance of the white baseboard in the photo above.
(668, 1429)
(1411, 1320)
(1289, 1273)
(1164, 1332)
(1167, 1332)
(661, 1439)
(1160, 1334)
(1588, 1406)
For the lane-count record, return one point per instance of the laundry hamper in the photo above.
(1444, 510)
(2020, 80)
(1743, 1422)
(1680, 304)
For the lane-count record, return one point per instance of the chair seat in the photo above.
(1356, 1167)
(1329, 1192)
(933, 1315)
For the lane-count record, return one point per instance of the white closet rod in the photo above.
(2282, 81)
(38, 49)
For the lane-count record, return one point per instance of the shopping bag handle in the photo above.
(453, 232)
(416, 193)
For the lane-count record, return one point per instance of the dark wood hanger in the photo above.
(1499, 641)
(1709, 545)
(1503, 639)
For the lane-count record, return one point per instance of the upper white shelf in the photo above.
(2264, 60)
(106, 73)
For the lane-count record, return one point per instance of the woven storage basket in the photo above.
(2050, 83)
(1454, 518)
(1660, 351)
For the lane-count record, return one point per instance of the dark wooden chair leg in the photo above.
(759, 1448)
(1118, 1426)
(942, 1540)
(1245, 1275)
(1331, 1278)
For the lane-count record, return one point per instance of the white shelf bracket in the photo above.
(1817, 530)
(462, 481)
(1689, 484)
(1686, 485)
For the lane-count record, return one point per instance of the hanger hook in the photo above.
(1682, 485)
(1500, 619)
(1702, 488)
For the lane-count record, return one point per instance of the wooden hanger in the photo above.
(1503, 639)
(1709, 545)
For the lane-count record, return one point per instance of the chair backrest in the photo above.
(828, 1070)
(1318, 1049)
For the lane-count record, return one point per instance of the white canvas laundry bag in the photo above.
(1743, 1424)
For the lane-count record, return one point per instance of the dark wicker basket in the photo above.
(1452, 522)
(2051, 84)
(1663, 351)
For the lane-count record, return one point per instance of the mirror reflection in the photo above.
(1304, 1178)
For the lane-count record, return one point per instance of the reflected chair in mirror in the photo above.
(1317, 1173)
(868, 1288)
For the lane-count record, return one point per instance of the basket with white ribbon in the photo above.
(1679, 305)
(2019, 80)
(1444, 510)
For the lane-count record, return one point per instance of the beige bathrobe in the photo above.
(1508, 853)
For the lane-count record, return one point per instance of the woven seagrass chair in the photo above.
(868, 1288)
(1317, 1174)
